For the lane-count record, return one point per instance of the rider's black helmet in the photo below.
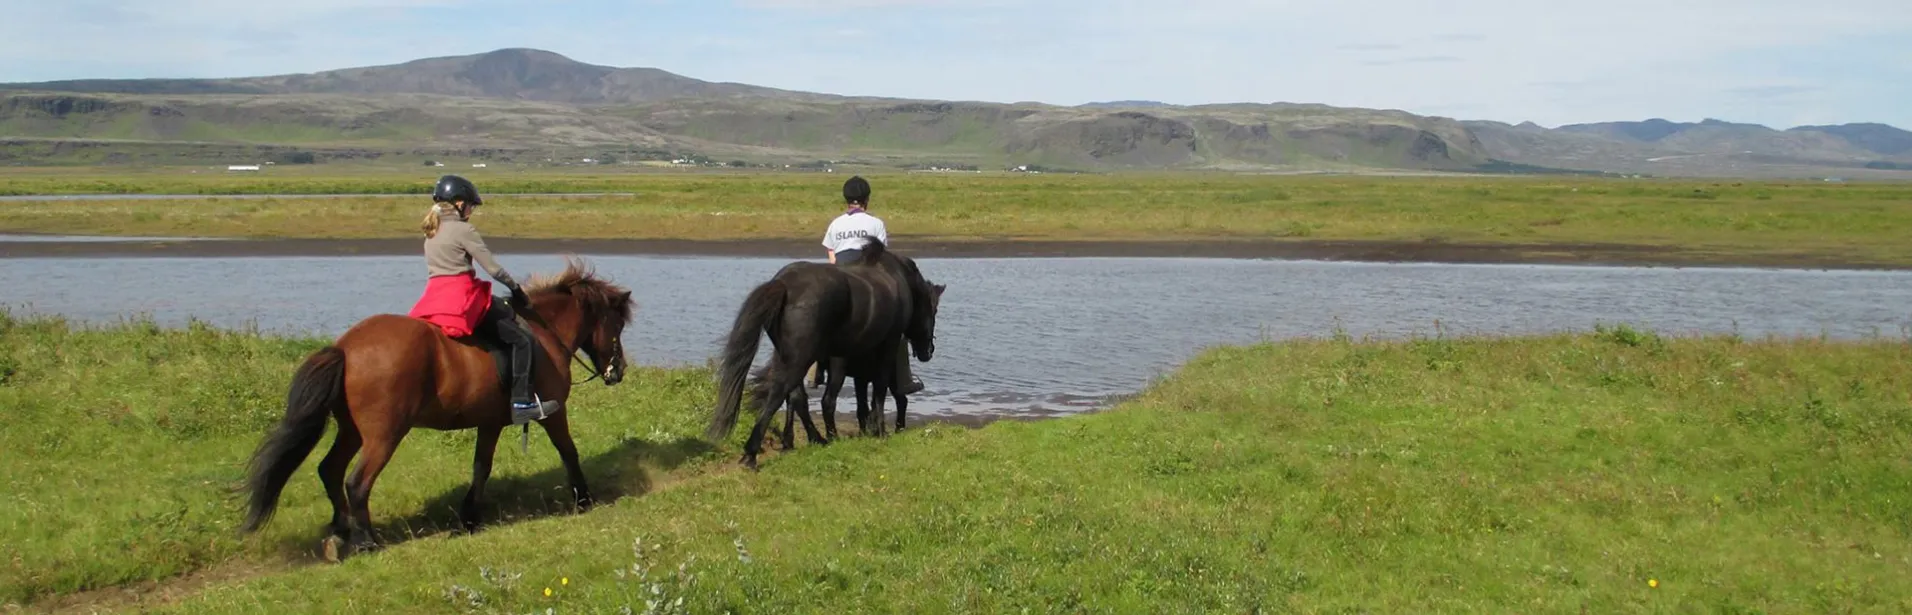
(856, 190)
(453, 188)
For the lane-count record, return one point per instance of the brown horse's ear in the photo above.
(626, 295)
(939, 289)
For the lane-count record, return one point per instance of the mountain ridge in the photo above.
(530, 98)
(512, 72)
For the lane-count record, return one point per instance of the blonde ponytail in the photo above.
(430, 224)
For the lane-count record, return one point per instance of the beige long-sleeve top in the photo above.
(456, 246)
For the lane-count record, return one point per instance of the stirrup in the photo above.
(538, 411)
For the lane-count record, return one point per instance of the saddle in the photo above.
(485, 338)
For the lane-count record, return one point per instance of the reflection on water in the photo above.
(1050, 335)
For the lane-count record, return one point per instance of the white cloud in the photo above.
(1630, 57)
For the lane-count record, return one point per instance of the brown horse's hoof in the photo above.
(749, 462)
(333, 548)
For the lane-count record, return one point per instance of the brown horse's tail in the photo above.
(762, 307)
(317, 388)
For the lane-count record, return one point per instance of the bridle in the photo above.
(595, 373)
(571, 352)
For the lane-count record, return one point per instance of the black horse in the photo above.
(833, 372)
(812, 311)
(864, 369)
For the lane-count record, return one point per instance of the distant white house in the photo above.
(242, 167)
(477, 165)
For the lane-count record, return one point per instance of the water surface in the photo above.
(1022, 334)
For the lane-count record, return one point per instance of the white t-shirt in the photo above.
(851, 231)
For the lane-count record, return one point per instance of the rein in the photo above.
(524, 438)
(571, 352)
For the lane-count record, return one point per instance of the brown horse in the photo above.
(390, 373)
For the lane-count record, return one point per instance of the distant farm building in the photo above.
(242, 167)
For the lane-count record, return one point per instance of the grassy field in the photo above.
(1605, 472)
(124, 444)
(1855, 222)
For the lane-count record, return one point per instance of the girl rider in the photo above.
(459, 303)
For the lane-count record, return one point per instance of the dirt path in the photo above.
(144, 595)
(135, 597)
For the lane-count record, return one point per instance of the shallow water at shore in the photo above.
(1022, 335)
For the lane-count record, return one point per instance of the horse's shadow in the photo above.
(623, 471)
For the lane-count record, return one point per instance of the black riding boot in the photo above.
(514, 334)
(906, 381)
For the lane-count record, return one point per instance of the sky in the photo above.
(1552, 62)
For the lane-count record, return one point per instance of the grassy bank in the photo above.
(124, 444)
(1612, 471)
(1853, 222)
(299, 179)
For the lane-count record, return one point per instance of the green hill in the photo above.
(762, 128)
(530, 104)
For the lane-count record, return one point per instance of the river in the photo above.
(1022, 335)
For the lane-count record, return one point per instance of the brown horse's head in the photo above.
(592, 311)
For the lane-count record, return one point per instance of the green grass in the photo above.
(1532, 474)
(124, 444)
(1854, 222)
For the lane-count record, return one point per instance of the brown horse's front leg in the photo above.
(799, 406)
(880, 391)
(480, 472)
(833, 386)
(790, 419)
(558, 427)
(862, 406)
(902, 404)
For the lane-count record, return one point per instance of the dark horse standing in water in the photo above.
(811, 311)
(834, 372)
(390, 373)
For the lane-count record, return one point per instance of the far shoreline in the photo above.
(1373, 251)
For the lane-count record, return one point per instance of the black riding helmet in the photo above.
(856, 191)
(452, 188)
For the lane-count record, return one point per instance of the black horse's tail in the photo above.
(761, 308)
(317, 388)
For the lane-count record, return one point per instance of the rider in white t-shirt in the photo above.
(844, 241)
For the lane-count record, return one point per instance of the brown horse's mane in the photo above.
(579, 279)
